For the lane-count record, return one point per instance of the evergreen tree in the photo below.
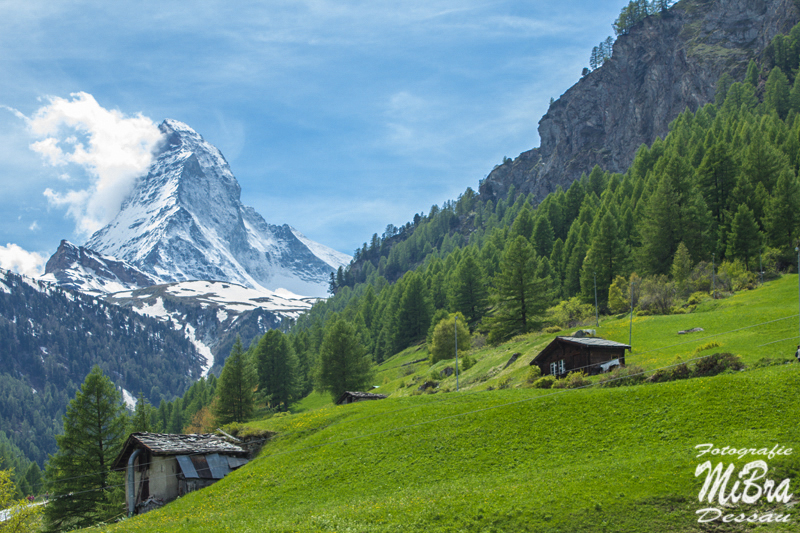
(783, 216)
(176, 420)
(470, 294)
(744, 240)
(543, 236)
(234, 402)
(523, 224)
(83, 488)
(675, 212)
(776, 94)
(277, 369)
(414, 312)
(343, 362)
(521, 294)
(606, 258)
(140, 421)
(717, 178)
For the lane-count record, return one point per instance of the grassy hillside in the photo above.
(522, 459)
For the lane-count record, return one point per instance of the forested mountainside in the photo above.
(49, 340)
(663, 62)
(719, 192)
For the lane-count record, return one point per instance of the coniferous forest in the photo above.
(716, 202)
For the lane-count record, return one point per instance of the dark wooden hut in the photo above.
(354, 396)
(592, 355)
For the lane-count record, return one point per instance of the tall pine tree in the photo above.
(83, 488)
(234, 402)
(277, 369)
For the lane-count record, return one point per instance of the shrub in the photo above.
(570, 313)
(467, 362)
(560, 384)
(735, 277)
(658, 295)
(576, 380)
(696, 298)
(717, 364)
(443, 343)
(534, 373)
(544, 382)
(505, 383)
(552, 329)
(623, 376)
(680, 371)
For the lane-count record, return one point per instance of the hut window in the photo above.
(558, 367)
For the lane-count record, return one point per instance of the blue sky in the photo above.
(336, 117)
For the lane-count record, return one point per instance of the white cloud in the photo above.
(21, 261)
(113, 148)
(34, 226)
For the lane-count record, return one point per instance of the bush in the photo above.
(570, 313)
(467, 362)
(658, 295)
(505, 383)
(576, 380)
(680, 371)
(443, 344)
(717, 364)
(552, 329)
(544, 382)
(534, 373)
(623, 376)
(734, 276)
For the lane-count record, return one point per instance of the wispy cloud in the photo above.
(21, 261)
(113, 148)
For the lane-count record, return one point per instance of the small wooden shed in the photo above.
(355, 396)
(160, 467)
(592, 355)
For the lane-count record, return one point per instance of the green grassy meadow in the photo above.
(518, 459)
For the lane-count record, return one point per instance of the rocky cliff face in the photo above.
(667, 63)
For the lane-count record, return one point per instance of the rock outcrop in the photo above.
(664, 65)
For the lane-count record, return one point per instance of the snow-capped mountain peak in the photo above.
(185, 221)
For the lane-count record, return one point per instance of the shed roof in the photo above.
(360, 396)
(172, 444)
(591, 342)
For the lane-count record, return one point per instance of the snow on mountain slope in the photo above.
(185, 221)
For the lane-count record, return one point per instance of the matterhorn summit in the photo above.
(185, 221)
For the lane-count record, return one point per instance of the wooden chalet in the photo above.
(592, 355)
(160, 467)
(354, 396)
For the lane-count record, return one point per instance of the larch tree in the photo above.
(744, 240)
(470, 293)
(521, 293)
(83, 489)
(234, 401)
(343, 361)
(276, 366)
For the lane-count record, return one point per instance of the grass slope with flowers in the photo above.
(518, 459)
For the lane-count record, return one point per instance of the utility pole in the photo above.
(797, 249)
(630, 333)
(455, 328)
(596, 315)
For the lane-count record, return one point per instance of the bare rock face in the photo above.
(666, 64)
